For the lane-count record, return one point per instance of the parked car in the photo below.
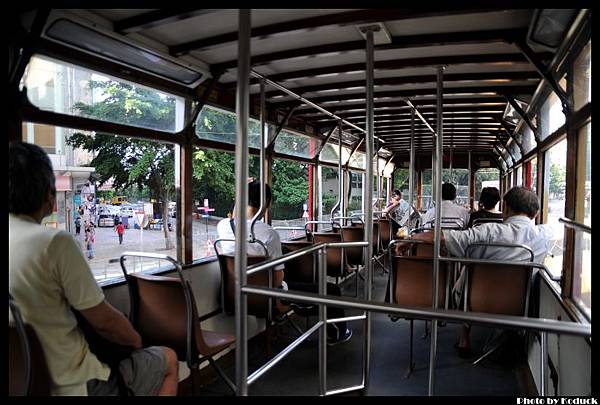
(126, 212)
(106, 220)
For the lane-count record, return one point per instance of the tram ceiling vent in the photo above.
(380, 37)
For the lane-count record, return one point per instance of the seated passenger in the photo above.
(449, 208)
(487, 203)
(337, 332)
(48, 274)
(519, 210)
(395, 210)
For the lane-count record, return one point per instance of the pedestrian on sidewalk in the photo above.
(89, 242)
(120, 228)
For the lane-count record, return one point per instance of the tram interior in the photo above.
(498, 79)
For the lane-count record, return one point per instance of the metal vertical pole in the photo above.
(241, 188)
(543, 361)
(369, 207)
(437, 230)
(411, 168)
(340, 176)
(322, 257)
(471, 196)
(262, 160)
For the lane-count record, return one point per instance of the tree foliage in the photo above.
(131, 162)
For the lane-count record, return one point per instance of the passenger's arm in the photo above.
(112, 325)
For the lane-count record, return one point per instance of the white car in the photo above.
(106, 220)
(126, 212)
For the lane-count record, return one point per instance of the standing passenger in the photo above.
(47, 275)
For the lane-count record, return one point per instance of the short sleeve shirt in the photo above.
(47, 275)
(449, 210)
(263, 232)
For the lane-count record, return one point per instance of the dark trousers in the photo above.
(120, 238)
(334, 330)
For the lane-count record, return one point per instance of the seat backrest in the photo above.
(479, 221)
(385, 232)
(301, 268)
(413, 281)
(257, 305)
(334, 256)
(354, 255)
(498, 289)
(27, 368)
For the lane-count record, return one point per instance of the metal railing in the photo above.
(569, 223)
(543, 326)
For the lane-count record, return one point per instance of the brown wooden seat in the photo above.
(301, 268)
(385, 233)
(411, 281)
(498, 289)
(354, 255)
(28, 373)
(163, 311)
(335, 266)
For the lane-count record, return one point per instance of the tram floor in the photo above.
(298, 373)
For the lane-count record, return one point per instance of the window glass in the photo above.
(329, 192)
(290, 197)
(331, 153)
(358, 160)
(515, 151)
(528, 139)
(488, 177)
(582, 276)
(551, 116)
(355, 204)
(218, 125)
(125, 181)
(460, 179)
(554, 202)
(532, 175)
(582, 77)
(68, 89)
(519, 176)
(296, 145)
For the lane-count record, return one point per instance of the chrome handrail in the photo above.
(569, 223)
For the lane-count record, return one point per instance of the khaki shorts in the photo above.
(143, 373)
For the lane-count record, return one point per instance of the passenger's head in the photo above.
(31, 182)
(397, 194)
(448, 191)
(520, 201)
(489, 198)
(254, 195)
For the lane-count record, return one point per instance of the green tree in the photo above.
(557, 178)
(290, 189)
(131, 162)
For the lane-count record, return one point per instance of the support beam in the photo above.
(521, 113)
(395, 64)
(31, 42)
(323, 143)
(512, 89)
(545, 73)
(156, 18)
(283, 123)
(354, 17)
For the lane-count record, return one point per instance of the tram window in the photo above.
(426, 190)
(551, 115)
(554, 202)
(488, 177)
(531, 175)
(460, 179)
(296, 145)
(290, 195)
(582, 285)
(355, 202)
(218, 125)
(528, 139)
(68, 89)
(331, 153)
(401, 182)
(358, 160)
(519, 176)
(582, 77)
(329, 191)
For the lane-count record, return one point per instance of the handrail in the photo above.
(289, 228)
(300, 252)
(504, 245)
(569, 223)
(448, 315)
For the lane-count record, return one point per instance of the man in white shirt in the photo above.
(48, 275)
(449, 208)
(520, 208)
(338, 332)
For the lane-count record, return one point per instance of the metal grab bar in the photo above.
(289, 228)
(448, 315)
(350, 217)
(300, 252)
(569, 223)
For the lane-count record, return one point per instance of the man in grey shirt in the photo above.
(520, 208)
